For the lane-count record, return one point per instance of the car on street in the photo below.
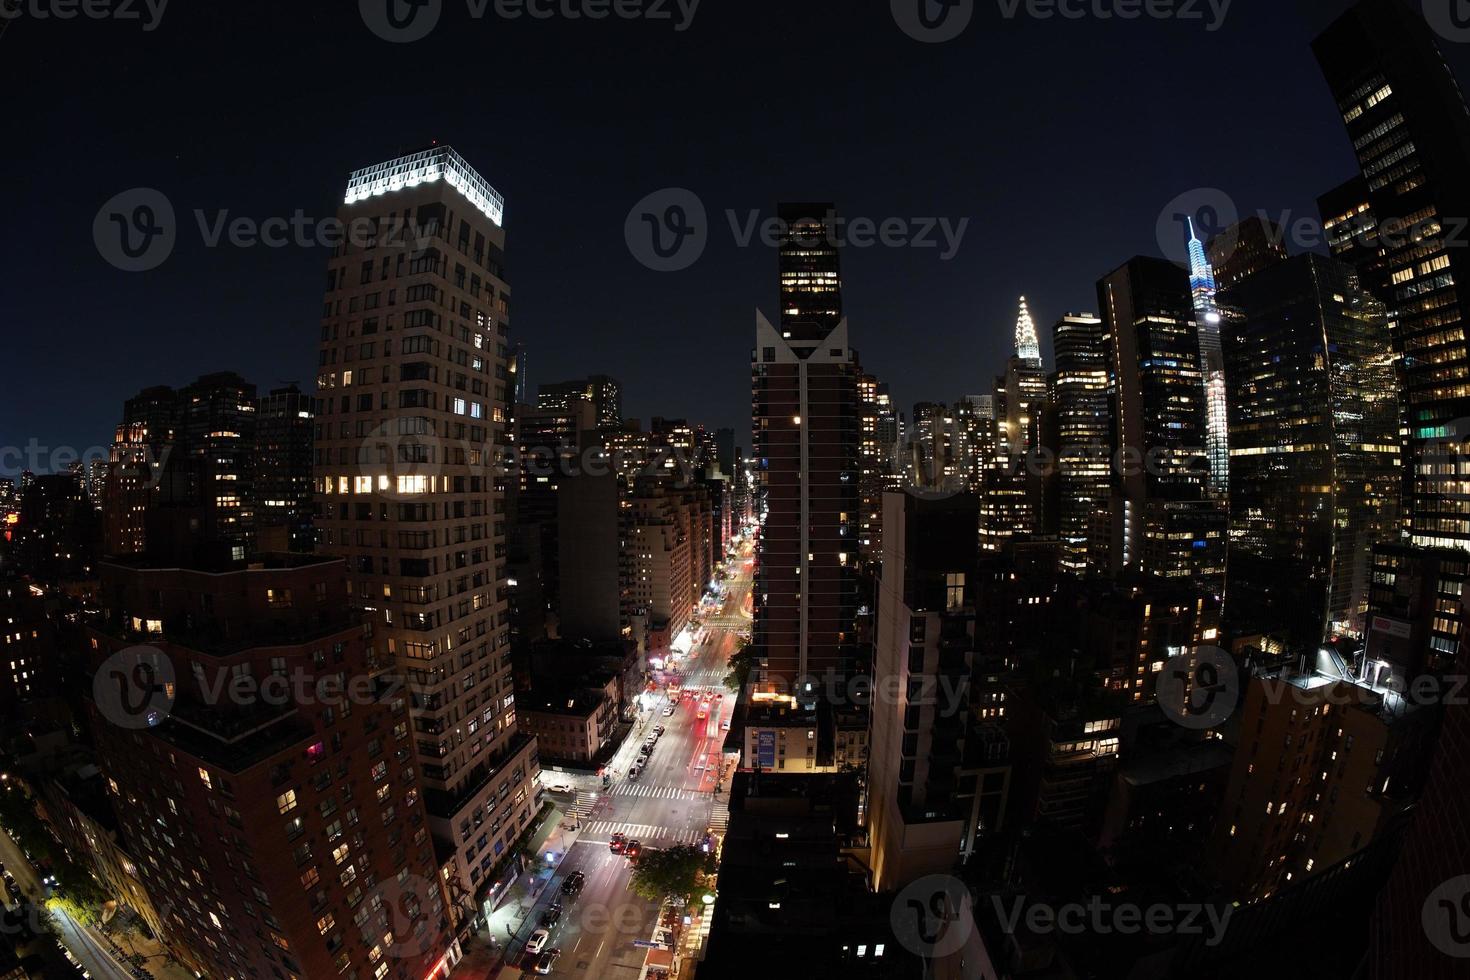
(725, 725)
(658, 730)
(702, 714)
(574, 883)
(538, 941)
(547, 961)
(668, 710)
(634, 849)
(634, 771)
(552, 915)
(618, 844)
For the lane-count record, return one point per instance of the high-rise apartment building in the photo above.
(196, 466)
(412, 410)
(605, 393)
(265, 781)
(215, 434)
(1327, 761)
(283, 470)
(805, 420)
(928, 747)
(875, 411)
(1410, 131)
(1084, 422)
(1314, 475)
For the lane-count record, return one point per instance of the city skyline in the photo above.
(965, 303)
(1068, 575)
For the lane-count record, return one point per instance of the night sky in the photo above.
(1061, 141)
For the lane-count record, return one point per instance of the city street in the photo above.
(672, 802)
(88, 951)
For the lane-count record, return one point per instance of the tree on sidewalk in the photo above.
(742, 662)
(674, 872)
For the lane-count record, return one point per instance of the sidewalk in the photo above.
(485, 954)
(127, 940)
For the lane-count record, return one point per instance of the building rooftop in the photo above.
(423, 167)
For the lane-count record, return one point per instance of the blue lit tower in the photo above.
(1212, 364)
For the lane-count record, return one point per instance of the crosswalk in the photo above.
(655, 792)
(719, 817)
(601, 831)
(583, 805)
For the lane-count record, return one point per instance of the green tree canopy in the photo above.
(674, 872)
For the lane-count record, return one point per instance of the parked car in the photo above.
(658, 730)
(634, 771)
(573, 884)
(538, 941)
(552, 915)
(547, 962)
(668, 711)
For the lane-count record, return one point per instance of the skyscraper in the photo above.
(1084, 419)
(1406, 118)
(602, 391)
(283, 489)
(1314, 477)
(1025, 388)
(805, 400)
(1159, 521)
(413, 406)
(811, 273)
(923, 809)
(1212, 364)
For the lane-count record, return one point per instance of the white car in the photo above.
(538, 941)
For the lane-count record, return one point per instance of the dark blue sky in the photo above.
(1060, 141)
